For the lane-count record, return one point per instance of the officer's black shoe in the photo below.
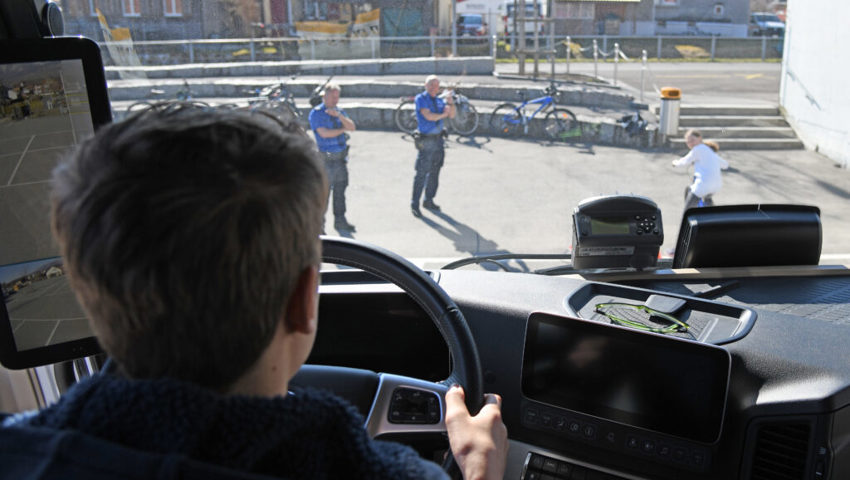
(342, 224)
(430, 205)
(415, 211)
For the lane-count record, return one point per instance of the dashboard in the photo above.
(758, 389)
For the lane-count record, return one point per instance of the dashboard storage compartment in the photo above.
(708, 321)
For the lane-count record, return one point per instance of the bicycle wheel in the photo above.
(506, 119)
(561, 125)
(405, 118)
(139, 106)
(466, 119)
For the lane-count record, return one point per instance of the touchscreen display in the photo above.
(667, 385)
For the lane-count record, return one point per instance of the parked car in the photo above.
(766, 24)
(471, 24)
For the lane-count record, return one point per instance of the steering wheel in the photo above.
(425, 399)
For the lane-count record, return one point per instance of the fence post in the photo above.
(494, 42)
(595, 59)
(433, 46)
(191, 52)
(372, 42)
(659, 47)
(642, 72)
(616, 60)
(713, 46)
(568, 54)
(312, 49)
(604, 43)
(763, 48)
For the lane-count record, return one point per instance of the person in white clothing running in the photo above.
(707, 166)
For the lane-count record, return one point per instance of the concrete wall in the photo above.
(815, 70)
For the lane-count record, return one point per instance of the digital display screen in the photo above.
(671, 386)
(52, 97)
(609, 226)
(42, 310)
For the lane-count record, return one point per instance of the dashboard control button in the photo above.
(411, 406)
(632, 442)
(550, 465)
(565, 469)
(589, 431)
(679, 453)
(536, 462)
(531, 416)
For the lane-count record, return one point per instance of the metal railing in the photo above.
(597, 47)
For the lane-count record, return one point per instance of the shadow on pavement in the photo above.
(467, 240)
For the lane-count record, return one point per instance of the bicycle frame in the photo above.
(544, 101)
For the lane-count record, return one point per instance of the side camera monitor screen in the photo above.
(52, 96)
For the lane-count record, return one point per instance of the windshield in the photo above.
(506, 171)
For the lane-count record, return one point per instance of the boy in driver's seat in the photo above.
(191, 237)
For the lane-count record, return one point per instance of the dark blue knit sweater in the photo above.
(310, 434)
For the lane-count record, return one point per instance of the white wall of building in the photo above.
(815, 74)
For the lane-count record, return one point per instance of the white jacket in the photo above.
(707, 166)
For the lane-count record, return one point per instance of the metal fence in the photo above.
(580, 47)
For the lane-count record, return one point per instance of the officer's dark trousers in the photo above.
(429, 161)
(338, 180)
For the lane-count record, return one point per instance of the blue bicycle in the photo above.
(558, 124)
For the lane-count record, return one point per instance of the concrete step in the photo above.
(727, 110)
(732, 121)
(748, 143)
(743, 132)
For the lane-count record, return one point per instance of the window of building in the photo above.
(719, 9)
(580, 10)
(172, 8)
(132, 8)
(667, 3)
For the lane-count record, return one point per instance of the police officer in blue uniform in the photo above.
(329, 125)
(430, 112)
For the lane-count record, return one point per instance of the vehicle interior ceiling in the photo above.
(730, 361)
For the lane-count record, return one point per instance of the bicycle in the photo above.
(465, 121)
(279, 100)
(558, 124)
(183, 95)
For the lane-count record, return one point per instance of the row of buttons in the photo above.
(561, 424)
(696, 457)
(693, 457)
(545, 468)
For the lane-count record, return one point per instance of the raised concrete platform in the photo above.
(386, 66)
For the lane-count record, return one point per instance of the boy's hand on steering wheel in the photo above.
(479, 443)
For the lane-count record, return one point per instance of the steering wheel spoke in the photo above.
(407, 405)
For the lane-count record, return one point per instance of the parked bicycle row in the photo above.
(508, 119)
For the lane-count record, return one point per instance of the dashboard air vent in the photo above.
(781, 451)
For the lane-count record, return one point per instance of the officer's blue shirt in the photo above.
(434, 104)
(319, 118)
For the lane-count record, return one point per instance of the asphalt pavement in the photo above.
(501, 195)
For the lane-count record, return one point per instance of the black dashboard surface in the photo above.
(788, 388)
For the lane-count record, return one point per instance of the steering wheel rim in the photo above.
(441, 309)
